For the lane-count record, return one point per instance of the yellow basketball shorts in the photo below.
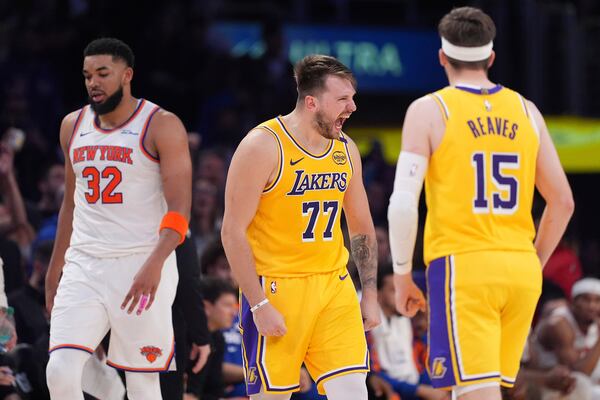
(324, 332)
(480, 309)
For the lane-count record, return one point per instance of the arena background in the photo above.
(225, 65)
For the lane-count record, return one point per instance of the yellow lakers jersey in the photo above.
(296, 230)
(480, 182)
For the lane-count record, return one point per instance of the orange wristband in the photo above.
(175, 221)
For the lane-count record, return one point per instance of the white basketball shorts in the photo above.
(88, 304)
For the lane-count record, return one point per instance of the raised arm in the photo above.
(551, 182)
(252, 167)
(167, 138)
(19, 225)
(65, 215)
(363, 244)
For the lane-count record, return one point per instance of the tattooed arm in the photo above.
(363, 243)
(364, 254)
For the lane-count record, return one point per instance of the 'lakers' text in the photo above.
(493, 126)
(323, 181)
(103, 153)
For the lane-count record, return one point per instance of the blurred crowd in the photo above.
(219, 98)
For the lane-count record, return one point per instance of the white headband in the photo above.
(587, 286)
(461, 53)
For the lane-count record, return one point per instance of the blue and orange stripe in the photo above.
(145, 151)
(71, 346)
(76, 126)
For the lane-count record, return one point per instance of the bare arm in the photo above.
(423, 127)
(360, 225)
(551, 181)
(170, 141)
(363, 244)
(252, 167)
(559, 338)
(65, 215)
(167, 137)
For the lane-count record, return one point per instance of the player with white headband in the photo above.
(481, 148)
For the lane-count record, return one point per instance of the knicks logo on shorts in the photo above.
(438, 370)
(251, 375)
(151, 353)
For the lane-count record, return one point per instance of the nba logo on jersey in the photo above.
(273, 287)
(438, 369)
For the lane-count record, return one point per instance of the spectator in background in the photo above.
(569, 336)
(189, 322)
(376, 169)
(44, 214)
(273, 86)
(29, 302)
(383, 245)
(559, 380)
(14, 225)
(7, 379)
(213, 261)
(212, 166)
(215, 266)
(220, 305)
(51, 188)
(392, 352)
(563, 267)
(14, 219)
(378, 198)
(206, 214)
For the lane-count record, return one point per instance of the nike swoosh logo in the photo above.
(85, 133)
(292, 162)
(343, 277)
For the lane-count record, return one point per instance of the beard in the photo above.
(324, 126)
(109, 104)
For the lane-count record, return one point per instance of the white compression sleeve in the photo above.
(403, 210)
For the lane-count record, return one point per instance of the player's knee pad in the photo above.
(143, 386)
(351, 386)
(63, 373)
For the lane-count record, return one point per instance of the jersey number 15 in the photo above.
(505, 199)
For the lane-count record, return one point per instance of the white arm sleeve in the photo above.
(403, 210)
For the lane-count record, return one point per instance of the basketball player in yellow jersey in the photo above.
(481, 149)
(288, 182)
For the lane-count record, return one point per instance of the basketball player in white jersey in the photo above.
(125, 210)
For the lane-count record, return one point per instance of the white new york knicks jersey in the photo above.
(119, 199)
